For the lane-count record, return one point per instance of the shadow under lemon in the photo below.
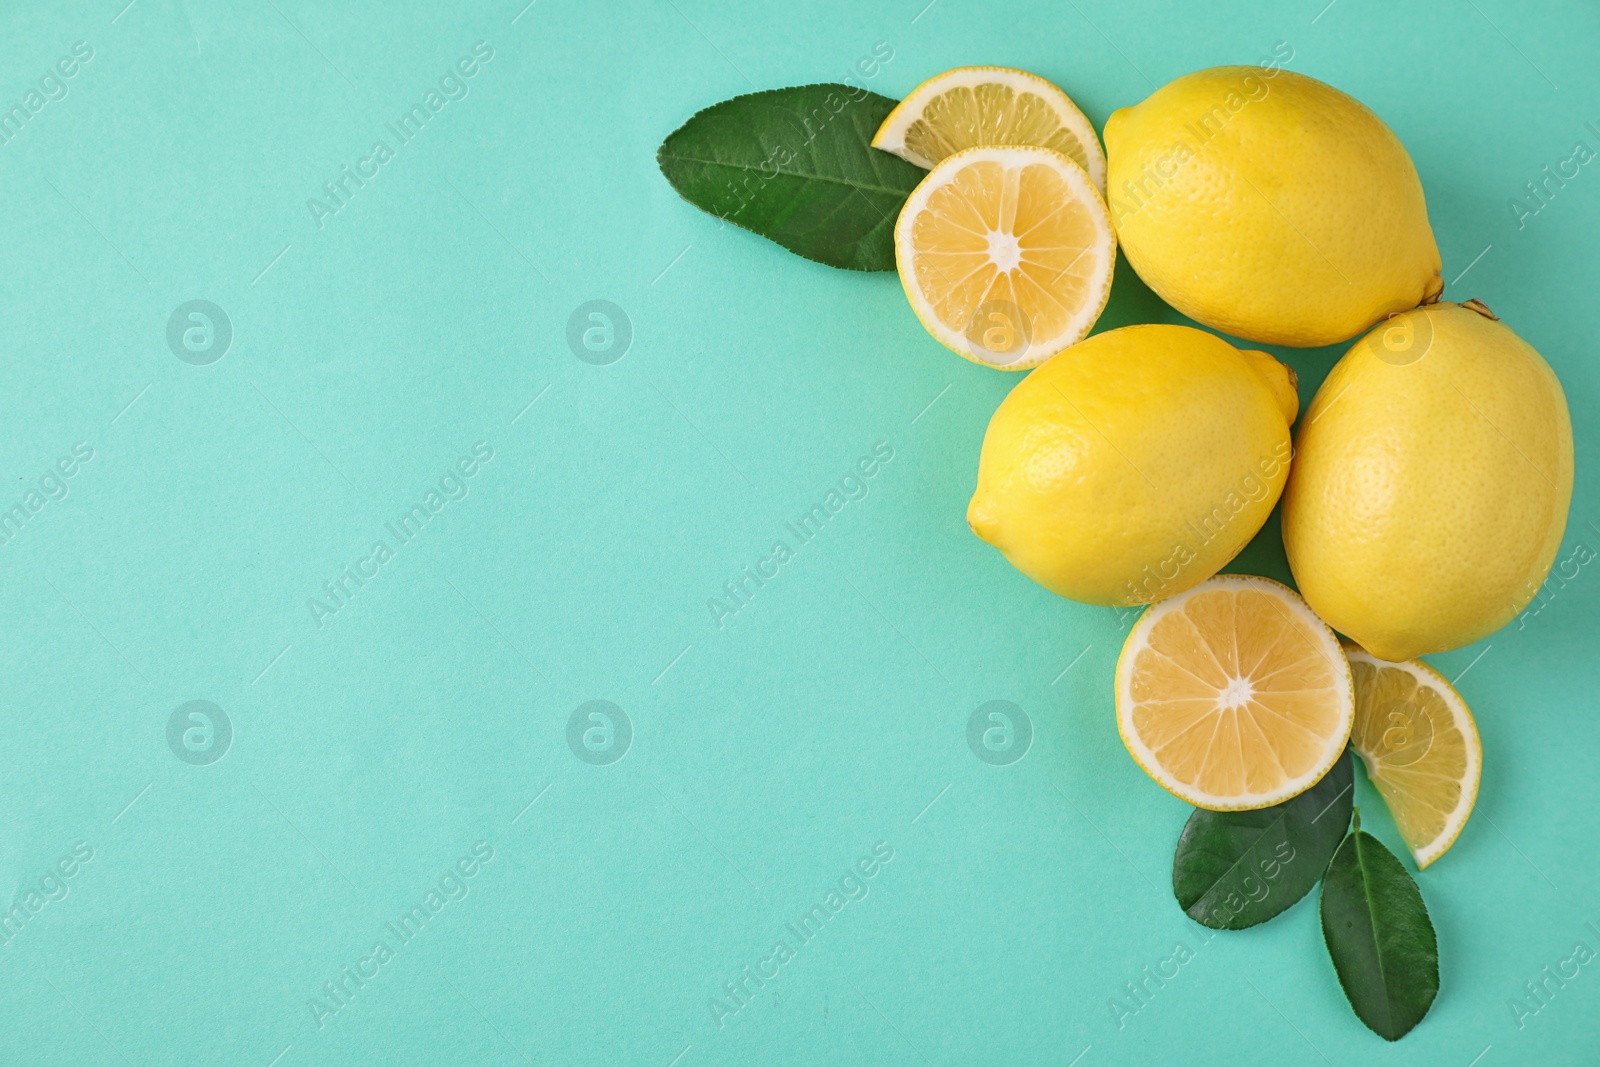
(1132, 302)
(1264, 555)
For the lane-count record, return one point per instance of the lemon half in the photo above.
(1234, 695)
(1006, 254)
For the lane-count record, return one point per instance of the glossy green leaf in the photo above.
(1379, 935)
(797, 166)
(1235, 869)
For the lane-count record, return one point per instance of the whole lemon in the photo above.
(1270, 206)
(1431, 480)
(1134, 464)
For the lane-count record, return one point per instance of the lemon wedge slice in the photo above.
(1006, 254)
(1234, 695)
(1421, 749)
(972, 106)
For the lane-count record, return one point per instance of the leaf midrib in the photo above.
(1372, 924)
(790, 174)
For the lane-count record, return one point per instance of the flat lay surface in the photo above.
(463, 604)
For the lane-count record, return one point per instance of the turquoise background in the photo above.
(371, 753)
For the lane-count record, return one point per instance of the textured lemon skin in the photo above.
(1270, 206)
(1282, 379)
(1428, 498)
(1131, 466)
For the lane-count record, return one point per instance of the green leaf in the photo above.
(1235, 869)
(1379, 936)
(797, 166)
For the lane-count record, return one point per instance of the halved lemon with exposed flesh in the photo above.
(972, 106)
(1006, 254)
(1234, 695)
(1421, 749)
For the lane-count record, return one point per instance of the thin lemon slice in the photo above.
(972, 106)
(1006, 254)
(1234, 695)
(1421, 748)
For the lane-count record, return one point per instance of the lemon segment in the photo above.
(1234, 695)
(1006, 254)
(1421, 749)
(972, 106)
